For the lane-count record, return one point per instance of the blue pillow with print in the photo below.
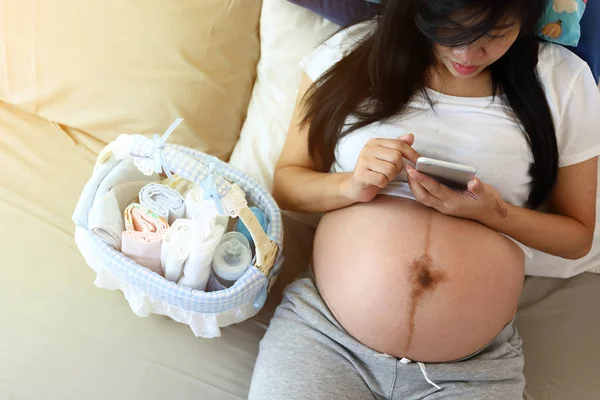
(561, 21)
(588, 47)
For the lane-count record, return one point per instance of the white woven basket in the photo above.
(148, 292)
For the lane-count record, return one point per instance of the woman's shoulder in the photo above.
(558, 67)
(574, 99)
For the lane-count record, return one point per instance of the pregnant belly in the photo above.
(408, 281)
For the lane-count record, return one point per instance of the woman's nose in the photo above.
(469, 55)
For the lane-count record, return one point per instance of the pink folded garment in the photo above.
(142, 238)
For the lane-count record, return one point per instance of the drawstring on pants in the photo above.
(423, 370)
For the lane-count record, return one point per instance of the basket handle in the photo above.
(234, 204)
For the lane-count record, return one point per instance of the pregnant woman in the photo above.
(414, 285)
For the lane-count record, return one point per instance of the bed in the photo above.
(68, 85)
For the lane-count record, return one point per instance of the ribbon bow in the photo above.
(160, 163)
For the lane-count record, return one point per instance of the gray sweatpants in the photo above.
(306, 354)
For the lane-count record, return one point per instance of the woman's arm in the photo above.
(298, 186)
(566, 231)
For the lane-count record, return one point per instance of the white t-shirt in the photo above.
(479, 131)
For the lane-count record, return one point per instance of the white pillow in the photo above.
(288, 33)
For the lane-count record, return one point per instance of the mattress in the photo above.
(63, 338)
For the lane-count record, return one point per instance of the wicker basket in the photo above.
(148, 292)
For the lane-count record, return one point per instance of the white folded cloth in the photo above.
(205, 238)
(196, 206)
(106, 176)
(176, 248)
(163, 200)
(105, 218)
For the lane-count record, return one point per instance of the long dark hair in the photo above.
(380, 76)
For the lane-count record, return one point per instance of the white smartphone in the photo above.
(450, 174)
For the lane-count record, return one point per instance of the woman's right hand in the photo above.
(378, 164)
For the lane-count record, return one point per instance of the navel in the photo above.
(425, 279)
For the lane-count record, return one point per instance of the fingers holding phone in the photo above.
(477, 201)
(452, 189)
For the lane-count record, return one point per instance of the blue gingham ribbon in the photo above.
(209, 186)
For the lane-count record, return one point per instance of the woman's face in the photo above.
(468, 61)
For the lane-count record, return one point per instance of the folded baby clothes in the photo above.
(176, 248)
(196, 205)
(205, 238)
(163, 200)
(142, 238)
(105, 218)
(107, 175)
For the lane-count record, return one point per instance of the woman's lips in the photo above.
(463, 69)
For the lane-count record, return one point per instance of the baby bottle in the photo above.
(232, 258)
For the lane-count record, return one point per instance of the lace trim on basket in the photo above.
(144, 165)
(234, 201)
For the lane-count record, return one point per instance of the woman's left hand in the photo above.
(478, 202)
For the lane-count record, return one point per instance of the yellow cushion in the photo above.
(112, 66)
(43, 170)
